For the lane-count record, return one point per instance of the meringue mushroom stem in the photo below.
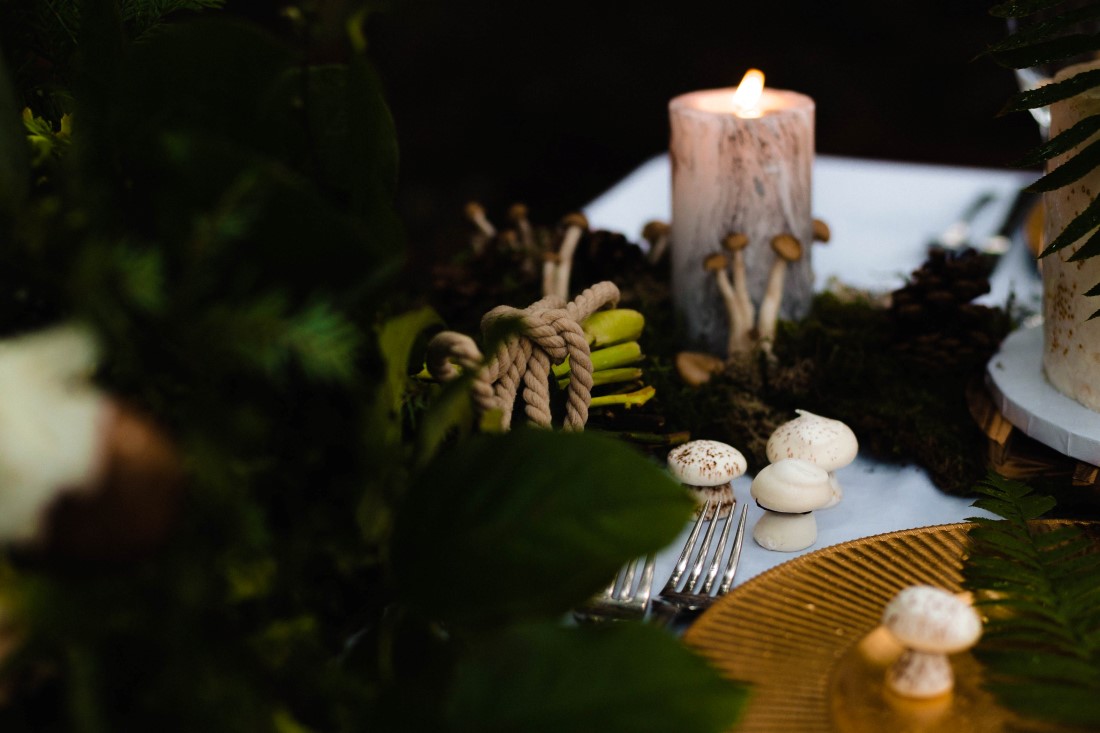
(716, 263)
(611, 357)
(735, 244)
(656, 233)
(575, 226)
(627, 400)
(787, 249)
(609, 376)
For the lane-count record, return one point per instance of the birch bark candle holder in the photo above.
(738, 166)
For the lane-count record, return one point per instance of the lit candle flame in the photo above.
(747, 97)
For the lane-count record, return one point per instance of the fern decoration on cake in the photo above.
(1039, 588)
(1048, 32)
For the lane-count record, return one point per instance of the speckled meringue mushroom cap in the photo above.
(931, 619)
(829, 443)
(706, 463)
(792, 486)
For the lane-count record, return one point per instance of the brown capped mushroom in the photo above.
(716, 263)
(656, 233)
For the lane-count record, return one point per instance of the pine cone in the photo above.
(935, 324)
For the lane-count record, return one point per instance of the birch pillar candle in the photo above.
(1071, 342)
(738, 166)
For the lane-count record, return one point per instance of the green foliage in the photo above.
(1055, 37)
(220, 215)
(1040, 591)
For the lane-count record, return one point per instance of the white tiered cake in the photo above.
(1071, 342)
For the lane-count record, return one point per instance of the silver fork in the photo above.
(621, 599)
(698, 591)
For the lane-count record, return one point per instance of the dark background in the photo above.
(552, 103)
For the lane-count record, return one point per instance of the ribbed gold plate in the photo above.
(804, 635)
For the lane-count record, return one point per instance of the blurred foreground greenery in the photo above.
(215, 202)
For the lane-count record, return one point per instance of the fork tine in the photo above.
(716, 564)
(697, 568)
(645, 586)
(628, 581)
(735, 555)
(685, 555)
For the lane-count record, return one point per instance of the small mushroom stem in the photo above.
(921, 675)
(484, 232)
(787, 249)
(517, 214)
(549, 273)
(735, 244)
(782, 532)
(656, 233)
(716, 263)
(575, 226)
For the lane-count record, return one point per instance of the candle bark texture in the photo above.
(1071, 342)
(738, 174)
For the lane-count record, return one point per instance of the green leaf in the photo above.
(1082, 162)
(1062, 142)
(1044, 52)
(1084, 223)
(396, 338)
(14, 151)
(1021, 8)
(452, 411)
(538, 519)
(1050, 93)
(1071, 704)
(544, 678)
(1048, 28)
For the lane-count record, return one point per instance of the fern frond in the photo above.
(1039, 591)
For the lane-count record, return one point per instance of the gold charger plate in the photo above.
(803, 634)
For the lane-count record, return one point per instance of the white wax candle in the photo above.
(738, 171)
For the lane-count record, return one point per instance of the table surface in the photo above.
(882, 215)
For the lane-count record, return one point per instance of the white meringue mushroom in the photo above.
(820, 440)
(932, 623)
(789, 490)
(707, 468)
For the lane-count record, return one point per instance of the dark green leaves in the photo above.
(528, 523)
(626, 678)
(14, 150)
(1051, 93)
(1040, 591)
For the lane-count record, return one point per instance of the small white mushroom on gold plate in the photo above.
(789, 490)
(931, 623)
(820, 440)
(707, 468)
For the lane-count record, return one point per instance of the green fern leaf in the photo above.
(1044, 52)
(1050, 93)
(1021, 8)
(1046, 29)
(1039, 592)
(1085, 222)
(1061, 143)
(1084, 161)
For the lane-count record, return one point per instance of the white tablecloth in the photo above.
(882, 216)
